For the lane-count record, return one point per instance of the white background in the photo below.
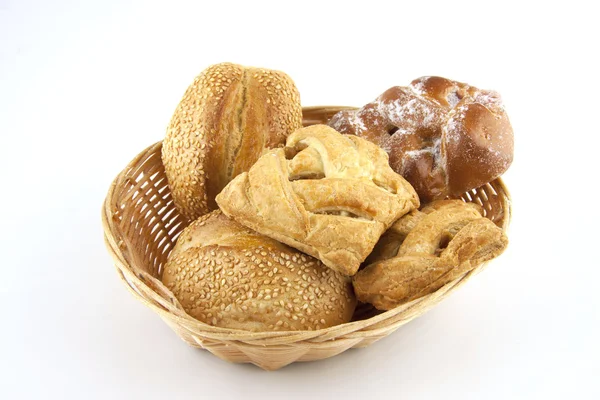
(85, 86)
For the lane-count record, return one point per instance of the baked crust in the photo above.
(326, 194)
(227, 275)
(445, 137)
(227, 117)
(445, 240)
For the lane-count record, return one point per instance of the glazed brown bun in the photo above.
(229, 276)
(227, 117)
(445, 137)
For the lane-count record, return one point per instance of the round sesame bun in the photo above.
(227, 117)
(227, 275)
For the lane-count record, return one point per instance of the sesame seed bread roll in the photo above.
(227, 117)
(227, 275)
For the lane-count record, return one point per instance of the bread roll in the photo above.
(227, 117)
(445, 137)
(226, 275)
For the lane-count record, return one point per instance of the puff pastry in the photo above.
(425, 250)
(329, 195)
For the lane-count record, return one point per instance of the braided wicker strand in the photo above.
(141, 226)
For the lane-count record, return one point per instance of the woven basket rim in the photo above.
(169, 308)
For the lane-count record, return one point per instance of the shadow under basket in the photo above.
(141, 226)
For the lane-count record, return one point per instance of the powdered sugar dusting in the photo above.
(453, 99)
(413, 113)
(434, 150)
(418, 87)
(420, 124)
(490, 100)
(388, 144)
(358, 124)
(452, 130)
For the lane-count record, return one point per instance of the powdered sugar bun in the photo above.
(445, 137)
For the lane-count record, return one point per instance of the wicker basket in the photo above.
(141, 225)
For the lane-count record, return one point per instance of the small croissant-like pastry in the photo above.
(445, 240)
(329, 195)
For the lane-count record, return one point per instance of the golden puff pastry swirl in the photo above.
(425, 250)
(329, 195)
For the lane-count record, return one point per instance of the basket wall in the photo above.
(141, 226)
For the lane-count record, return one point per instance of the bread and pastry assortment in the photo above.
(290, 225)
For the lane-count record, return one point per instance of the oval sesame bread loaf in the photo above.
(227, 275)
(227, 117)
